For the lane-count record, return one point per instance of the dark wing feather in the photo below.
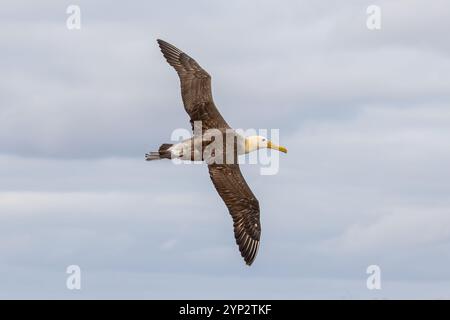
(195, 88)
(243, 207)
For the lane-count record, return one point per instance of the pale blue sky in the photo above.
(365, 116)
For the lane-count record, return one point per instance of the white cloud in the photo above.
(399, 229)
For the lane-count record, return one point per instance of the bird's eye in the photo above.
(264, 140)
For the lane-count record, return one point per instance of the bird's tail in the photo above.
(162, 153)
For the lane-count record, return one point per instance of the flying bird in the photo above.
(225, 175)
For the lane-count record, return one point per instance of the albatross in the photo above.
(225, 173)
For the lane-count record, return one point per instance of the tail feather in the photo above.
(164, 147)
(162, 153)
(150, 157)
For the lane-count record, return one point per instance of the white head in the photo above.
(253, 143)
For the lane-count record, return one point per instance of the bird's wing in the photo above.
(242, 205)
(195, 88)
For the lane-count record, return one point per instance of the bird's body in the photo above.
(218, 145)
(203, 148)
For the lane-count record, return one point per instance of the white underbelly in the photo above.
(183, 150)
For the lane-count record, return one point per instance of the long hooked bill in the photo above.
(276, 147)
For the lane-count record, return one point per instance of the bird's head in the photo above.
(253, 143)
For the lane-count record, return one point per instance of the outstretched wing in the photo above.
(195, 88)
(242, 205)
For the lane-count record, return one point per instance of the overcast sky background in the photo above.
(365, 116)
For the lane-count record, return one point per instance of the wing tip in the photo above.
(164, 44)
(170, 52)
(249, 257)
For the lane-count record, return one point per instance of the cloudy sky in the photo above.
(364, 113)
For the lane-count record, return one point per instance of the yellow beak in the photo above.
(275, 147)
